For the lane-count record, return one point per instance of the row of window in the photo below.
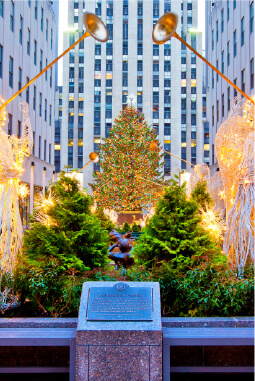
(235, 32)
(12, 13)
(242, 72)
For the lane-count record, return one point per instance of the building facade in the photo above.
(27, 45)
(230, 48)
(166, 79)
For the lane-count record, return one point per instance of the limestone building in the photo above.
(166, 79)
(230, 48)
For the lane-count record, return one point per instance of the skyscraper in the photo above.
(166, 79)
(230, 48)
(27, 45)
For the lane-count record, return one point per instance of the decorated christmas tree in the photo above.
(130, 177)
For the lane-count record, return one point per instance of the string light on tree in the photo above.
(126, 160)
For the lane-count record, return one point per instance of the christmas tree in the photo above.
(130, 177)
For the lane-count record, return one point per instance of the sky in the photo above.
(63, 26)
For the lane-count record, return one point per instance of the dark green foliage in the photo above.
(135, 228)
(106, 223)
(201, 196)
(125, 228)
(204, 289)
(55, 256)
(173, 231)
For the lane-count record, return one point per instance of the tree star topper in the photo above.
(131, 99)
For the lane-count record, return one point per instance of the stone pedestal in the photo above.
(119, 350)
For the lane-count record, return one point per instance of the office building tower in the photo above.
(27, 45)
(166, 79)
(230, 48)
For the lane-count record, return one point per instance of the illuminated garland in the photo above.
(125, 160)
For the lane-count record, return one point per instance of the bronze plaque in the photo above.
(120, 302)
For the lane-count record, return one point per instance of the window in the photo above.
(125, 66)
(193, 73)
(183, 104)
(50, 153)
(155, 8)
(242, 31)
(193, 41)
(51, 77)
(167, 82)
(20, 29)
(213, 39)
(139, 81)
(20, 79)
(155, 81)
(81, 57)
(140, 8)
(34, 98)
(125, 7)
(228, 98)
(235, 43)
(167, 129)
(40, 104)
(167, 113)
(19, 129)
(212, 115)
(71, 57)
(155, 50)
(217, 67)
(243, 80)
(140, 97)
(98, 8)
(110, 30)
(10, 71)
(218, 111)
(168, 6)
(46, 73)
(44, 156)
(51, 38)
(9, 124)
(36, 9)
(109, 9)
(222, 20)
(39, 151)
(47, 27)
(12, 16)
(222, 62)
(222, 105)
(75, 19)
(167, 50)
(217, 31)
(167, 66)
(124, 79)
(42, 19)
(140, 30)
(41, 59)
(252, 17)
(228, 53)
(213, 79)
(189, 6)
(140, 66)
(125, 30)
(125, 48)
(28, 41)
(35, 51)
(108, 65)
(50, 115)
(189, 20)
(139, 48)
(234, 4)
(33, 148)
(27, 92)
(252, 72)
(155, 111)
(97, 65)
(155, 97)
(2, 8)
(1, 61)
(235, 91)
(45, 110)
(228, 10)
(108, 49)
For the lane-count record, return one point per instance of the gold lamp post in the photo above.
(166, 27)
(94, 28)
